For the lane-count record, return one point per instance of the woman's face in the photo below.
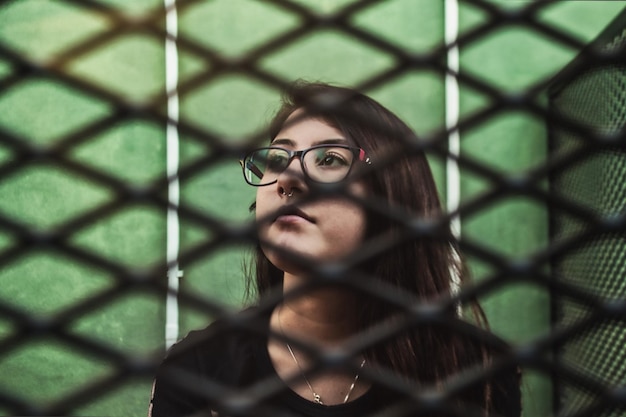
(324, 229)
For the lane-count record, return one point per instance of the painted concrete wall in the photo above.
(44, 195)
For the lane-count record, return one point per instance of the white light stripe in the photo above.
(173, 191)
(453, 177)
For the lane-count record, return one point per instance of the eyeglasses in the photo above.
(321, 163)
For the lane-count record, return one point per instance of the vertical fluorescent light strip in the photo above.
(453, 177)
(173, 191)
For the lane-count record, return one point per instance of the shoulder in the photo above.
(506, 381)
(207, 362)
(230, 336)
(501, 375)
(506, 393)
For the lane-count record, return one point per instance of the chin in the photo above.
(286, 262)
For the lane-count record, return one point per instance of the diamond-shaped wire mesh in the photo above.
(83, 180)
(594, 99)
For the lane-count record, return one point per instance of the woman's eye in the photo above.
(332, 159)
(276, 162)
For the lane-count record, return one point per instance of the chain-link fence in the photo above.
(590, 95)
(92, 92)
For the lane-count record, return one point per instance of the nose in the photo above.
(291, 180)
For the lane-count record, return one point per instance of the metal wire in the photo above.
(591, 314)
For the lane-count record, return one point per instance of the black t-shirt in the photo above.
(226, 370)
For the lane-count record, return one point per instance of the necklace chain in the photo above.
(316, 396)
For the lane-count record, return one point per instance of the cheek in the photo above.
(355, 210)
(348, 225)
(261, 211)
(262, 215)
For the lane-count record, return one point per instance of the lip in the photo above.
(291, 214)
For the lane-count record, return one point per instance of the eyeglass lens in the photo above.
(326, 164)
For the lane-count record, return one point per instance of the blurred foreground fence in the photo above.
(86, 179)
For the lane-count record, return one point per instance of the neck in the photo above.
(322, 318)
(325, 316)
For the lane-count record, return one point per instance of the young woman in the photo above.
(353, 271)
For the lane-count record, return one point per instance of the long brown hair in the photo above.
(422, 266)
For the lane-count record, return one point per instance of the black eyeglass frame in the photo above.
(359, 154)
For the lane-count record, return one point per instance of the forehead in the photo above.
(306, 130)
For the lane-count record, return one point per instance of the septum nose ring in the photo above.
(288, 195)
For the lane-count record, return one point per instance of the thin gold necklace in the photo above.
(316, 397)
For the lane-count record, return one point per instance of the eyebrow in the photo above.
(290, 142)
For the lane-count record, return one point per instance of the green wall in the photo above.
(511, 143)
(44, 195)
